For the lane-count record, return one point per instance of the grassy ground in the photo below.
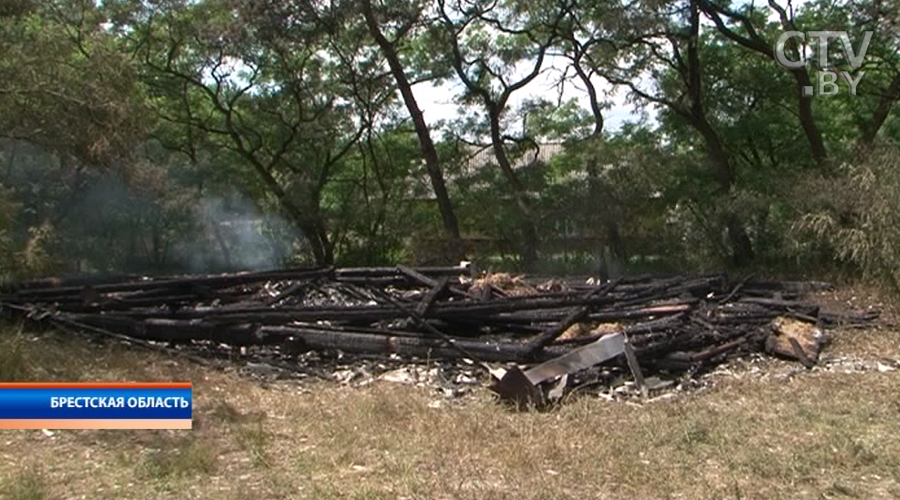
(815, 435)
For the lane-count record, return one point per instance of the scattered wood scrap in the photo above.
(670, 324)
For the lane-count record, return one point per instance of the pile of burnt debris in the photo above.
(565, 331)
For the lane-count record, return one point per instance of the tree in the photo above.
(276, 103)
(487, 42)
(390, 46)
(749, 29)
(65, 85)
(669, 48)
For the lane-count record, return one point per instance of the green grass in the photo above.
(185, 458)
(254, 438)
(13, 362)
(29, 484)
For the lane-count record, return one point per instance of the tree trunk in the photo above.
(888, 99)
(530, 240)
(317, 238)
(614, 240)
(807, 121)
(741, 245)
(429, 152)
(596, 109)
(326, 245)
(315, 233)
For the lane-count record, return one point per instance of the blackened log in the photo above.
(548, 336)
(9, 286)
(783, 305)
(165, 330)
(71, 326)
(422, 322)
(224, 281)
(717, 350)
(388, 272)
(551, 334)
(420, 347)
(417, 276)
(448, 310)
(428, 299)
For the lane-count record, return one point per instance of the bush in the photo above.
(858, 218)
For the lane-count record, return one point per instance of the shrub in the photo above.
(858, 217)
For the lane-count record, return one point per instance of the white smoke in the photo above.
(236, 235)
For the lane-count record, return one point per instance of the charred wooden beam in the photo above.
(420, 347)
(673, 323)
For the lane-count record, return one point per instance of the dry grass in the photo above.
(868, 343)
(28, 483)
(821, 435)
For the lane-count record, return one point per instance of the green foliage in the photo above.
(546, 121)
(65, 83)
(217, 134)
(859, 214)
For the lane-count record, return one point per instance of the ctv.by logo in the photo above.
(826, 77)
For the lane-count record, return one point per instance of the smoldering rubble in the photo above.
(531, 340)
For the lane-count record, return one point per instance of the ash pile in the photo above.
(536, 339)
